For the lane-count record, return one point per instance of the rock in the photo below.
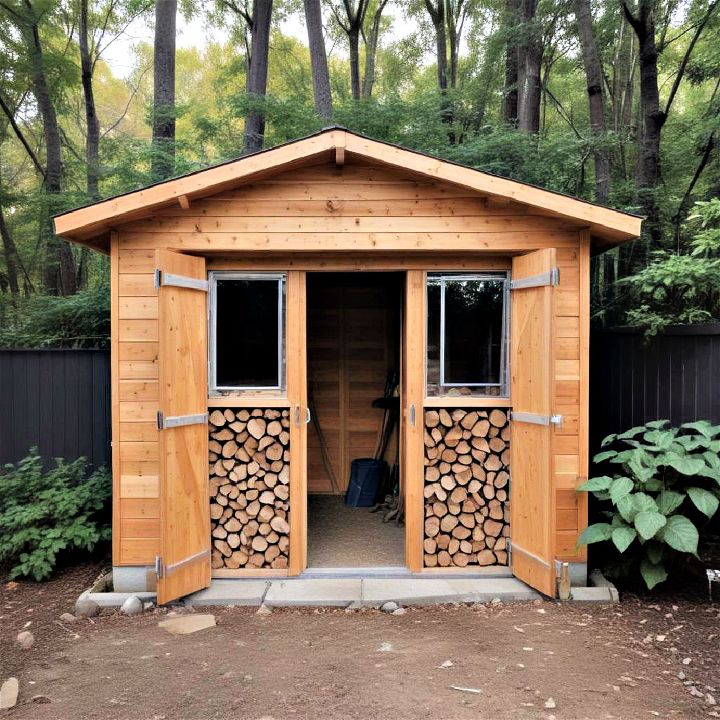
(390, 606)
(264, 610)
(399, 611)
(9, 693)
(686, 661)
(40, 699)
(496, 601)
(67, 618)
(550, 704)
(25, 639)
(132, 606)
(710, 699)
(186, 624)
(86, 608)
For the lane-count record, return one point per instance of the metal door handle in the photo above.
(308, 416)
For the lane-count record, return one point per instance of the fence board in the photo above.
(56, 400)
(674, 376)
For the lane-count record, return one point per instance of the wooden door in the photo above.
(532, 423)
(296, 368)
(412, 392)
(184, 562)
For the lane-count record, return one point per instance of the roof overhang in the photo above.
(91, 224)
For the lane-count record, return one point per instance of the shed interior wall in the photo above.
(326, 209)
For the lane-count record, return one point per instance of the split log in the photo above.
(467, 513)
(248, 487)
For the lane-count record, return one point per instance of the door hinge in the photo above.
(551, 277)
(162, 570)
(508, 545)
(163, 279)
(535, 418)
(163, 423)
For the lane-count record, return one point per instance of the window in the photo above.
(247, 319)
(467, 334)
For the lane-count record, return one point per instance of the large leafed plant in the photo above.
(665, 484)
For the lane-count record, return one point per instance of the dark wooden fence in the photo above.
(675, 375)
(57, 400)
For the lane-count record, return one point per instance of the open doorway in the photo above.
(353, 364)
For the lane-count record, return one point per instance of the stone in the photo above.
(86, 608)
(187, 624)
(389, 607)
(399, 611)
(132, 606)
(67, 618)
(25, 639)
(264, 610)
(9, 693)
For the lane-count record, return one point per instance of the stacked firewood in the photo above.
(467, 514)
(249, 488)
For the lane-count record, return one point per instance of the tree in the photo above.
(596, 104)
(510, 91)
(530, 55)
(318, 59)
(59, 267)
(653, 117)
(163, 128)
(436, 10)
(351, 24)
(257, 77)
(371, 38)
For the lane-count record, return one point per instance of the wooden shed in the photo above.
(320, 274)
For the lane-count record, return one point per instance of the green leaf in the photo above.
(620, 487)
(648, 522)
(643, 503)
(680, 534)
(655, 424)
(595, 533)
(668, 501)
(652, 574)
(607, 454)
(705, 501)
(701, 426)
(626, 508)
(686, 465)
(607, 440)
(631, 433)
(596, 484)
(623, 537)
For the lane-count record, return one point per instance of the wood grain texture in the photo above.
(184, 512)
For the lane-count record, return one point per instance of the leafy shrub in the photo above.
(43, 514)
(668, 481)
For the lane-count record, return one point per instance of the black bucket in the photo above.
(366, 476)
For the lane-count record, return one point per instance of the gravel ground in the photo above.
(639, 659)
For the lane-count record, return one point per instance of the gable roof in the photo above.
(90, 225)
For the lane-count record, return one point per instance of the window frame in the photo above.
(220, 390)
(442, 278)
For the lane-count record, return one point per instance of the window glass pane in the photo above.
(465, 335)
(247, 333)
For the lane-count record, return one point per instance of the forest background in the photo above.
(615, 101)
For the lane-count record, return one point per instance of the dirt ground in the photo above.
(534, 660)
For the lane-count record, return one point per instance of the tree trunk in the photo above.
(510, 94)
(257, 79)
(648, 174)
(455, 11)
(92, 142)
(354, 41)
(371, 47)
(163, 159)
(11, 255)
(318, 60)
(437, 15)
(593, 74)
(59, 271)
(530, 62)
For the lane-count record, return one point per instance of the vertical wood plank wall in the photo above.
(325, 209)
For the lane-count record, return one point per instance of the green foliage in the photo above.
(666, 484)
(74, 321)
(46, 514)
(680, 288)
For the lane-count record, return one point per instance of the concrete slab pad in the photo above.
(187, 624)
(230, 592)
(315, 592)
(428, 591)
(595, 594)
